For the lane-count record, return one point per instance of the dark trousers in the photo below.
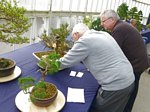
(111, 101)
(129, 106)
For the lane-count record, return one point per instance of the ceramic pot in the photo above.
(7, 67)
(46, 101)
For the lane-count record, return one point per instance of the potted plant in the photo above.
(13, 23)
(43, 93)
(7, 67)
(56, 40)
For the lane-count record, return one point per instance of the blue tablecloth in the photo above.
(28, 64)
(146, 35)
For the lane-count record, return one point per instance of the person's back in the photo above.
(131, 42)
(105, 59)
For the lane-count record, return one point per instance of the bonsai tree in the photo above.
(57, 39)
(42, 90)
(13, 23)
(49, 64)
(128, 14)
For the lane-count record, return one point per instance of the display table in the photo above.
(28, 65)
(146, 35)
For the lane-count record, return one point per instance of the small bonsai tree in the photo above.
(57, 39)
(48, 65)
(13, 23)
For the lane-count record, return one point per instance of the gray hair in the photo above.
(80, 28)
(109, 14)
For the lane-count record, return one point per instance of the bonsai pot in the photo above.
(7, 67)
(44, 102)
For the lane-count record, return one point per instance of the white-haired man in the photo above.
(100, 53)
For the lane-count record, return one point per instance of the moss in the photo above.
(4, 63)
(43, 90)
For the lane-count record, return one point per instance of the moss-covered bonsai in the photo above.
(13, 22)
(42, 91)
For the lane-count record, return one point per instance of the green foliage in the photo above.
(148, 26)
(96, 24)
(13, 23)
(25, 83)
(50, 64)
(93, 23)
(57, 39)
(60, 33)
(122, 11)
(133, 13)
(4, 63)
(40, 90)
(88, 21)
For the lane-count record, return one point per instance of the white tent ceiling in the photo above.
(83, 5)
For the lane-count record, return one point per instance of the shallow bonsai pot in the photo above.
(8, 69)
(47, 101)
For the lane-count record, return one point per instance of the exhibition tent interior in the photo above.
(34, 19)
(47, 14)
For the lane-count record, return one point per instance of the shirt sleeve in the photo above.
(78, 53)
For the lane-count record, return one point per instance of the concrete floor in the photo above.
(142, 103)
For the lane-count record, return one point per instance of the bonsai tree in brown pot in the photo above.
(43, 93)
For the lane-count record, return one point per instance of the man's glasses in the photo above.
(105, 20)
